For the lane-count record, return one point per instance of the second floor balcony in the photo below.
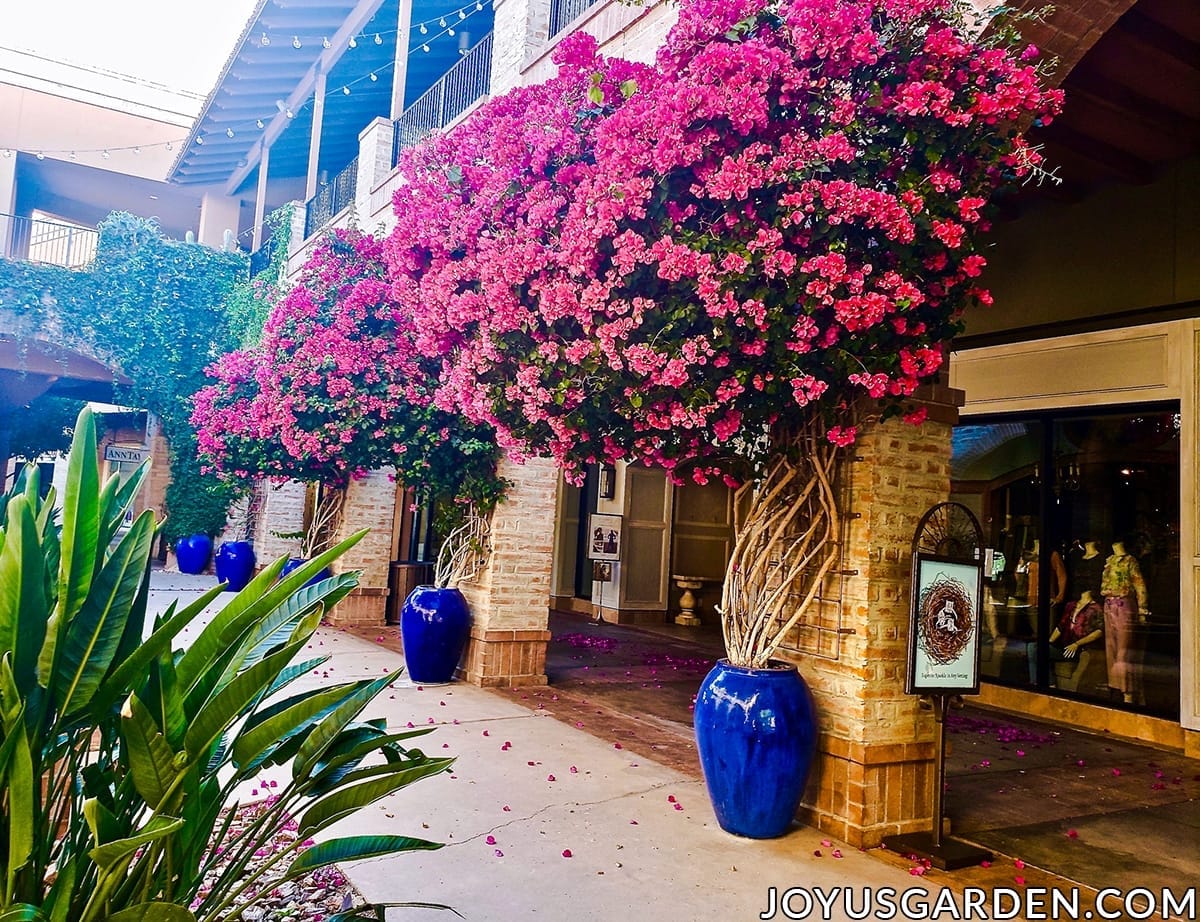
(38, 240)
(463, 84)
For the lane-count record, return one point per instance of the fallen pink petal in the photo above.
(566, 853)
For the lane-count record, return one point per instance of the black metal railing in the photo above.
(39, 241)
(330, 199)
(446, 100)
(565, 12)
(260, 259)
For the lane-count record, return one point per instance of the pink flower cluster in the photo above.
(336, 388)
(661, 263)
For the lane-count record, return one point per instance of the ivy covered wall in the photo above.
(154, 310)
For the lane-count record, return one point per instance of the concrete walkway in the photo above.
(541, 819)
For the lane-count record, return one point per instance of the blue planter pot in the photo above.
(434, 626)
(235, 564)
(193, 553)
(756, 733)
(294, 562)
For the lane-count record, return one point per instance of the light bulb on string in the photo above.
(450, 32)
(345, 91)
(479, 6)
(229, 132)
(378, 39)
(462, 14)
(72, 155)
(265, 40)
(325, 43)
(289, 113)
(374, 78)
(137, 151)
(41, 156)
(353, 42)
(425, 48)
(170, 146)
(296, 42)
(259, 124)
(442, 22)
(105, 154)
(7, 153)
(424, 30)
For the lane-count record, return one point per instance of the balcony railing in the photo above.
(330, 199)
(39, 241)
(446, 100)
(565, 12)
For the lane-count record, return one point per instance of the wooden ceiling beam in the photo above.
(1107, 156)
(1163, 40)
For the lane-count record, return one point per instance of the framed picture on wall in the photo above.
(604, 537)
(943, 631)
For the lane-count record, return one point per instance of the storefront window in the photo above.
(1082, 513)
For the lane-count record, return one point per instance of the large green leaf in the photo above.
(23, 605)
(80, 521)
(128, 671)
(151, 760)
(261, 596)
(328, 729)
(355, 848)
(293, 672)
(234, 700)
(153, 912)
(158, 827)
(22, 912)
(18, 785)
(346, 800)
(58, 899)
(378, 911)
(91, 639)
(254, 741)
(115, 502)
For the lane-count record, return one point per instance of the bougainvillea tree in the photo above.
(714, 265)
(335, 390)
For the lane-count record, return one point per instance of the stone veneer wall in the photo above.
(510, 599)
(874, 770)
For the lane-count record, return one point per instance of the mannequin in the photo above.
(1124, 592)
(1082, 623)
(1088, 569)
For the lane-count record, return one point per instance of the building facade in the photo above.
(1077, 424)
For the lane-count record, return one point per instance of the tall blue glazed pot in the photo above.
(294, 562)
(192, 553)
(756, 733)
(235, 564)
(434, 626)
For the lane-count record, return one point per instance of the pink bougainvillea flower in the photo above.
(1072, 834)
(566, 853)
(490, 840)
(1018, 864)
(1019, 881)
(837, 853)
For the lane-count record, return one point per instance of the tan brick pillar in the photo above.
(874, 766)
(510, 600)
(370, 503)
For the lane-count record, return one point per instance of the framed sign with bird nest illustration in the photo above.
(943, 643)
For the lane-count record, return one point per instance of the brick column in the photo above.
(374, 163)
(510, 600)
(874, 766)
(371, 502)
(520, 31)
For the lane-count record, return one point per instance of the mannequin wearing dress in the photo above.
(1124, 592)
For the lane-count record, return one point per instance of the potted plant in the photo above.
(435, 622)
(724, 288)
(126, 756)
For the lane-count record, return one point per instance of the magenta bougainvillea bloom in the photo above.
(336, 388)
(777, 219)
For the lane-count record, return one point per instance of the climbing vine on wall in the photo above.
(152, 308)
